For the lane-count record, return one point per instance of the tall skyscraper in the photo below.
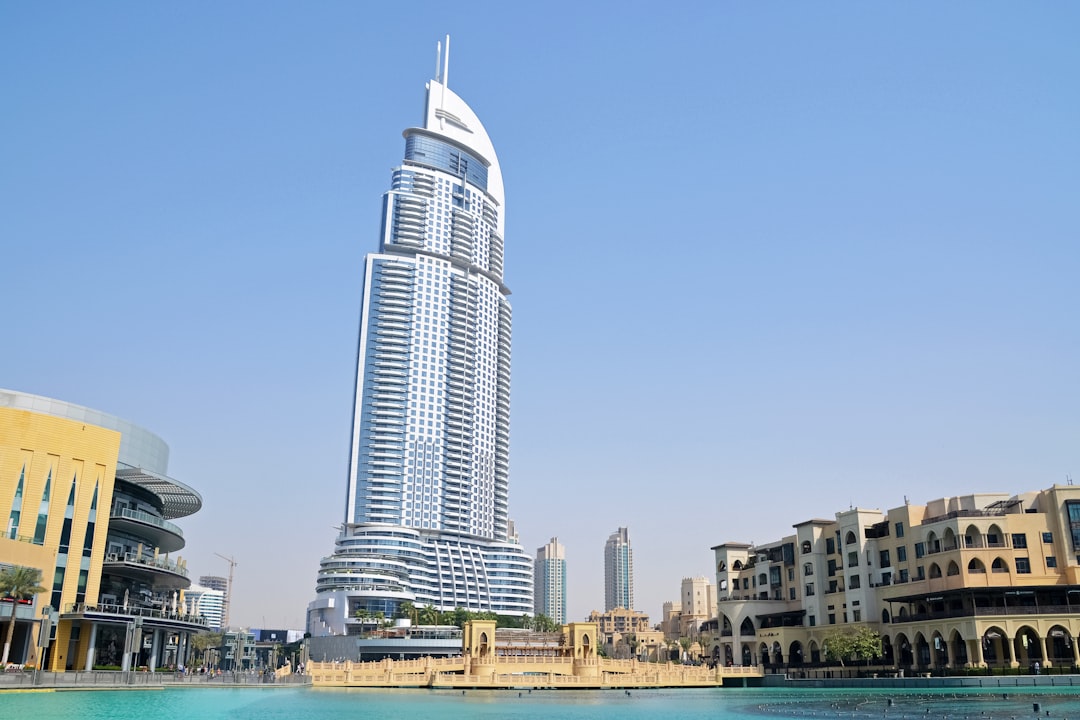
(207, 602)
(549, 581)
(618, 571)
(221, 584)
(427, 514)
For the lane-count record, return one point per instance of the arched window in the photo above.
(954, 569)
(935, 570)
(721, 566)
(808, 569)
(999, 566)
(806, 546)
(737, 565)
(850, 539)
(885, 616)
(976, 566)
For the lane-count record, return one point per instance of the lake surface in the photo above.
(714, 704)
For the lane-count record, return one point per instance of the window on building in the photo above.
(832, 618)
(884, 560)
(853, 559)
(808, 569)
(791, 593)
(813, 621)
(903, 575)
(1051, 561)
(806, 546)
(832, 566)
(1023, 566)
(856, 615)
(920, 573)
(790, 574)
(1072, 509)
(899, 529)
(853, 582)
(1048, 537)
(809, 589)
(830, 546)
(1019, 540)
(901, 553)
(920, 550)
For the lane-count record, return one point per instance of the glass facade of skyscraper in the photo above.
(618, 571)
(550, 581)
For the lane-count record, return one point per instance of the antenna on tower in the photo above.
(446, 64)
(438, 61)
(228, 593)
(1068, 479)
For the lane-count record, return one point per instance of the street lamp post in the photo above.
(44, 633)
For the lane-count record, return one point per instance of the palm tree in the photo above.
(429, 615)
(685, 643)
(204, 641)
(18, 583)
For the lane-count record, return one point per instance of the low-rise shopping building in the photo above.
(90, 506)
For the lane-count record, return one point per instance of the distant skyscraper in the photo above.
(216, 582)
(207, 602)
(618, 571)
(427, 513)
(549, 581)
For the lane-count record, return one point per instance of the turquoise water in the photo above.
(716, 704)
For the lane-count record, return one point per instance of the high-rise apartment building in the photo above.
(549, 581)
(206, 602)
(214, 582)
(427, 505)
(618, 571)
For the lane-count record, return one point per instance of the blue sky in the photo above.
(769, 260)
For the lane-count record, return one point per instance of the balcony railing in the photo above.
(136, 611)
(143, 517)
(941, 549)
(996, 512)
(158, 563)
(983, 611)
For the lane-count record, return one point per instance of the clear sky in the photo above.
(769, 260)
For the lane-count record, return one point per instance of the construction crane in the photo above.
(228, 593)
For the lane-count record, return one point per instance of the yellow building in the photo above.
(970, 581)
(88, 504)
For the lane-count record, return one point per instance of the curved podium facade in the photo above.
(89, 505)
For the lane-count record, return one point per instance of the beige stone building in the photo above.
(689, 617)
(977, 580)
(616, 626)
